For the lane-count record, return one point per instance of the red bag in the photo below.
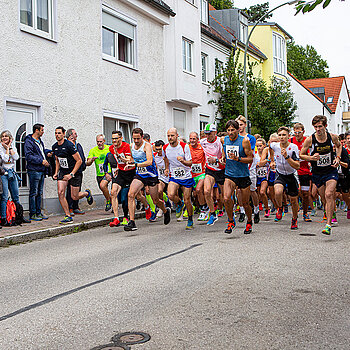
(10, 212)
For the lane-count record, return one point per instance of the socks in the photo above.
(150, 202)
(256, 210)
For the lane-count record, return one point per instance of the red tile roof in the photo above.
(211, 8)
(332, 87)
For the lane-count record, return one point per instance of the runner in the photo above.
(178, 165)
(324, 163)
(304, 173)
(214, 170)
(287, 162)
(198, 173)
(146, 175)
(262, 171)
(119, 154)
(237, 154)
(97, 155)
(68, 162)
(347, 141)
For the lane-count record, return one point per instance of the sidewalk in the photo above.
(51, 227)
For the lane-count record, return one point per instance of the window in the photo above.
(218, 67)
(203, 121)
(36, 16)
(187, 47)
(204, 11)
(180, 122)
(279, 54)
(118, 38)
(330, 99)
(204, 68)
(111, 124)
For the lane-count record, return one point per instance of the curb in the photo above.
(56, 231)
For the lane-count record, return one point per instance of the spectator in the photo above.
(37, 168)
(10, 178)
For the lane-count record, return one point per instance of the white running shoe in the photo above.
(202, 215)
(160, 213)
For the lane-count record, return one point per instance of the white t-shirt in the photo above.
(178, 170)
(282, 165)
(161, 167)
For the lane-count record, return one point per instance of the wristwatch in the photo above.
(288, 156)
(72, 175)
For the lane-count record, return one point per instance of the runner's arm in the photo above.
(294, 163)
(337, 144)
(78, 163)
(248, 151)
(263, 159)
(303, 152)
(57, 168)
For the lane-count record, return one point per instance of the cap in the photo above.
(209, 128)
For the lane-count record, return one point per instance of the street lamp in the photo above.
(245, 57)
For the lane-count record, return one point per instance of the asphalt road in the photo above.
(200, 289)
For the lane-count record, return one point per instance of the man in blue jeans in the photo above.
(37, 169)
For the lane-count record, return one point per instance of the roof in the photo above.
(307, 89)
(211, 8)
(274, 24)
(212, 33)
(162, 6)
(332, 87)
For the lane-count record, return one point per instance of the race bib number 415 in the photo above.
(325, 160)
(232, 150)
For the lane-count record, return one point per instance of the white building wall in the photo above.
(73, 84)
(342, 106)
(308, 107)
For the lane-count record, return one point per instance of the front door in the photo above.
(19, 121)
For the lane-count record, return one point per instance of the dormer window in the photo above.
(330, 99)
(243, 28)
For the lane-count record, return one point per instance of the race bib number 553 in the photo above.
(197, 168)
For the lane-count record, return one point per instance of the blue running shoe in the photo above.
(153, 217)
(189, 225)
(179, 209)
(212, 219)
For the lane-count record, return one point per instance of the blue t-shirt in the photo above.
(252, 141)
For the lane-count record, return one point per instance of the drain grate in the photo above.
(131, 338)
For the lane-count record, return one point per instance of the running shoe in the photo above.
(185, 214)
(237, 209)
(179, 209)
(241, 217)
(89, 197)
(189, 225)
(256, 218)
(324, 216)
(148, 213)
(260, 207)
(212, 219)
(306, 218)
(125, 221)
(279, 214)
(334, 220)
(130, 226)
(286, 208)
(207, 216)
(66, 220)
(230, 226)
(327, 230)
(153, 217)
(71, 212)
(108, 206)
(294, 225)
(348, 214)
(220, 213)
(313, 212)
(114, 223)
(248, 229)
(273, 209)
(159, 213)
(78, 212)
(267, 213)
(167, 216)
(35, 218)
(42, 216)
(202, 215)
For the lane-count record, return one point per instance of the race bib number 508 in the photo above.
(324, 160)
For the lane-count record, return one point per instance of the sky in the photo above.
(327, 30)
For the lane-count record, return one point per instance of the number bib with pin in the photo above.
(141, 170)
(100, 167)
(230, 149)
(179, 173)
(261, 172)
(63, 162)
(197, 168)
(325, 160)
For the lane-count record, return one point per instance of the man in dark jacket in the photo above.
(37, 168)
(71, 135)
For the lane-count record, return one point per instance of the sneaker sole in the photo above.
(212, 223)
(130, 229)
(189, 227)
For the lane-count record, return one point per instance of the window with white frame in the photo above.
(204, 68)
(118, 37)
(204, 11)
(180, 121)
(187, 54)
(36, 16)
(218, 67)
(279, 54)
(111, 123)
(243, 28)
(203, 121)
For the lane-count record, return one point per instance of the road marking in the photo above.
(68, 292)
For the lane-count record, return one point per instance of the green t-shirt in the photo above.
(101, 156)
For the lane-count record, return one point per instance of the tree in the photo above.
(307, 6)
(269, 106)
(257, 11)
(221, 4)
(305, 63)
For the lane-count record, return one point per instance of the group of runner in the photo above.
(212, 174)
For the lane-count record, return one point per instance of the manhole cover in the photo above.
(131, 338)
(112, 347)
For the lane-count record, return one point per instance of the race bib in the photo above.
(197, 168)
(100, 168)
(119, 160)
(63, 162)
(141, 170)
(325, 160)
(161, 171)
(179, 173)
(232, 150)
(261, 172)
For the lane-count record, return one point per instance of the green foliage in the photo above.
(221, 4)
(307, 6)
(269, 106)
(257, 11)
(305, 63)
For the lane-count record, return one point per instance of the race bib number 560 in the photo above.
(232, 150)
